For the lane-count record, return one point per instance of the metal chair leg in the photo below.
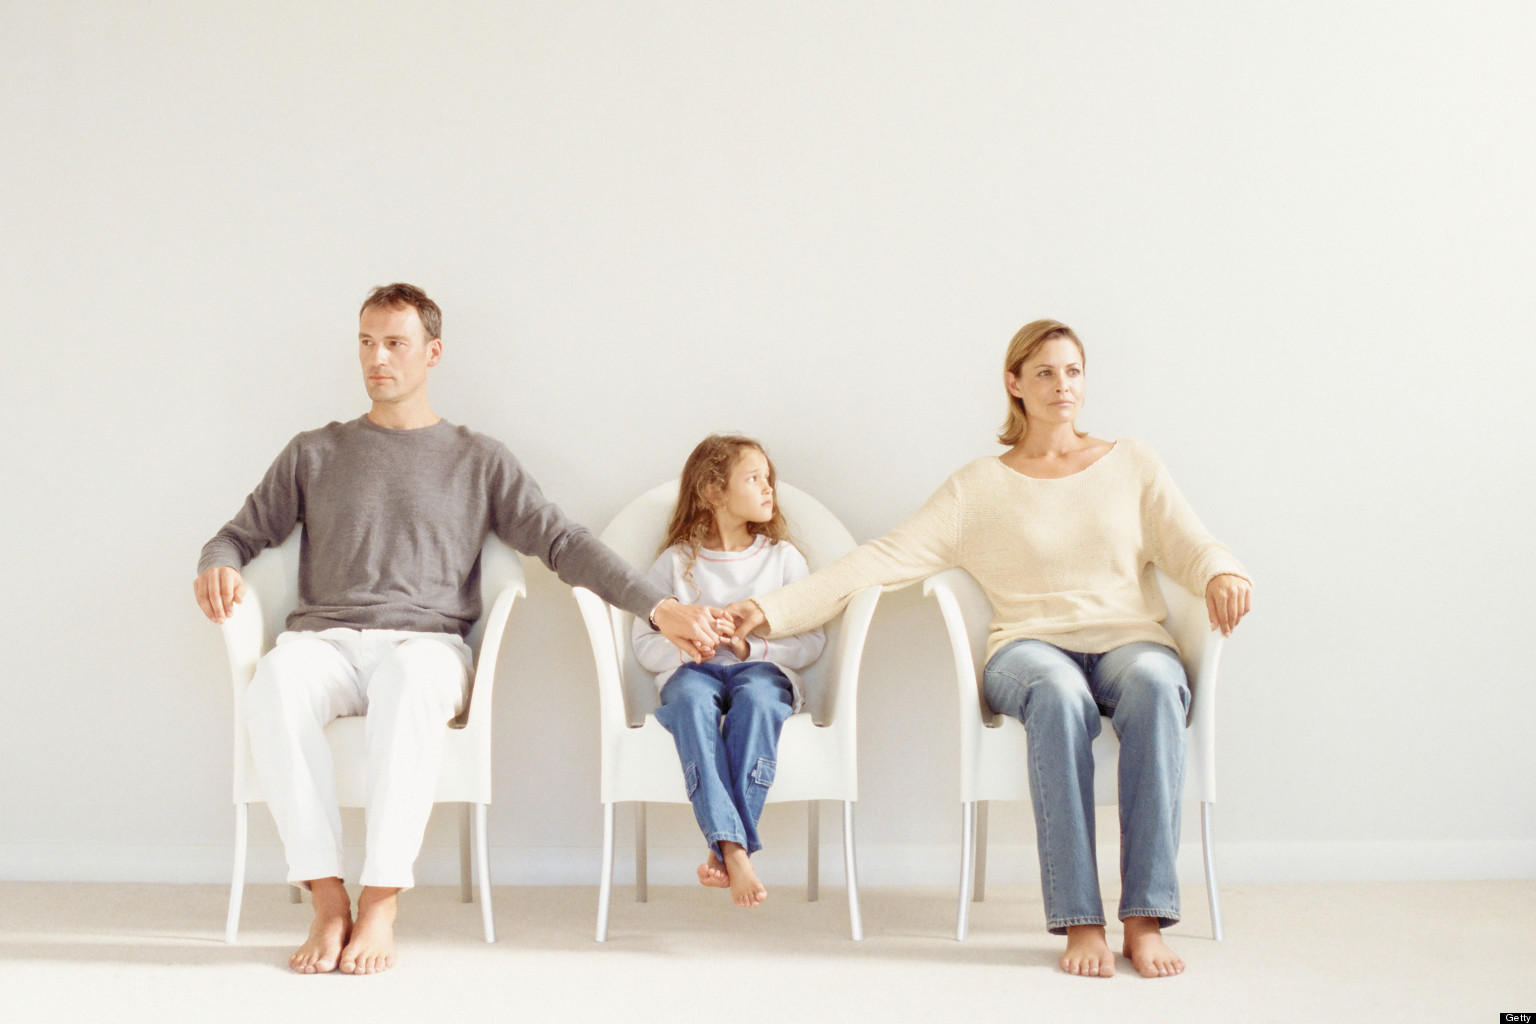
(483, 856)
(850, 869)
(237, 880)
(813, 851)
(466, 887)
(967, 866)
(641, 855)
(605, 886)
(1210, 869)
(979, 889)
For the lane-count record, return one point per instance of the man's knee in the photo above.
(288, 675)
(421, 673)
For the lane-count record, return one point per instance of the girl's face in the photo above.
(748, 495)
(1050, 383)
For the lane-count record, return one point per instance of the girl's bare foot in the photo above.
(746, 890)
(372, 948)
(328, 932)
(1088, 952)
(712, 873)
(1147, 951)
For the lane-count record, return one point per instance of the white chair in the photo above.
(993, 764)
(271, 592)
(817, 749)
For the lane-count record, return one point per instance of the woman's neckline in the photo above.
(1113, 445)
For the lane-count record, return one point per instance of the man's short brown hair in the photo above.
(393, 296)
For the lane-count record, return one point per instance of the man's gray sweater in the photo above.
(393, 523)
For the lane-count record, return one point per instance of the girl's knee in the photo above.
(690, 688)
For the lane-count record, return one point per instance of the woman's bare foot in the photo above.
(372, 948)
(746, 890)
(712, 873)
(1147, 951)
(1088, 952)
(329, 930)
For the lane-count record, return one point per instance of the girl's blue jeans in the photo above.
(1059, 696)
(726, 721)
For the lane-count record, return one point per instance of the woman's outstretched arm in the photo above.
(923, 545)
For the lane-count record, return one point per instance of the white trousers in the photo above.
(409, 685)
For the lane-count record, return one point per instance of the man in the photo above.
(395, 506)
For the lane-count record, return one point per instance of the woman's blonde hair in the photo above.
(709, 466)
(1024, 344)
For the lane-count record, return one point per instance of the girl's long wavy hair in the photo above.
(709, 468)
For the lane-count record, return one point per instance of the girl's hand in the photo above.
(1227, 599)
(738, 648)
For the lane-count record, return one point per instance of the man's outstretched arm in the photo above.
(534, 525)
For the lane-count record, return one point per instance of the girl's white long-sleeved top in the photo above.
(1066, 560)
(716, 579)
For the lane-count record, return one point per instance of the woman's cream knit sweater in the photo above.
(1068, 561)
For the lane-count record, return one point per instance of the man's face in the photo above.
(395, 353)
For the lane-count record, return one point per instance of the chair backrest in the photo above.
(636, 533)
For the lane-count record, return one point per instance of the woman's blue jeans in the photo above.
(726, 721)
(1059, 696)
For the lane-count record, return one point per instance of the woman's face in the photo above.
(1049, 383)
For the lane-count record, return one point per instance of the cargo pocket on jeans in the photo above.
(762, 774)
(691, 778)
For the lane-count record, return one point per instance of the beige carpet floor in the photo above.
(1433, 952)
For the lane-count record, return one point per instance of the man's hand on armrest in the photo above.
(695, 629)
(218, 591)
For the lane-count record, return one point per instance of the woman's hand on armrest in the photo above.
(1227, 599)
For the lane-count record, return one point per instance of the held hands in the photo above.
(1227, 599)
(218, 591)
(748, 617)
(696, 629)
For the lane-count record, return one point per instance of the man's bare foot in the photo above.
(328, 932)
(1088, 952)
(712, 873)
(372, 948)
(746, 890)
(1147, 951)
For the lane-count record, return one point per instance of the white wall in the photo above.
(1296, 237)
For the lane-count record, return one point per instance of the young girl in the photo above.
(727, 542)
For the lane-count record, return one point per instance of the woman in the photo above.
(1062, 531)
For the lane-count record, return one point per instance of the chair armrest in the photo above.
(842, 677)
(966, 617)
(244, 642)
(483, 687)
(1200, 773)
(597, 615)
(1200, 649)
